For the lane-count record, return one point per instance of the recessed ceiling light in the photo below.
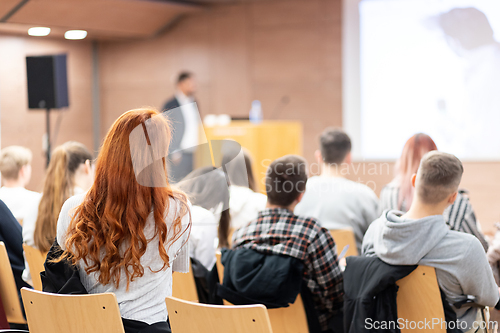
(75, 34)
(38, 31)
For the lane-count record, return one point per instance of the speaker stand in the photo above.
(47, 120)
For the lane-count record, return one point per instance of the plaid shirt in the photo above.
(279, 231)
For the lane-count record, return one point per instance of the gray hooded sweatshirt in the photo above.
(461, 265)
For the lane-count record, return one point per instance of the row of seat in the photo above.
(418, 296)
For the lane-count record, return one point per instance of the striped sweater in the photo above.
(459, 216)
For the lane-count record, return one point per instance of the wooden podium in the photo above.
(265, 141)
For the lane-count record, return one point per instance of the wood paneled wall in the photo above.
(286, 53)
(19, 125)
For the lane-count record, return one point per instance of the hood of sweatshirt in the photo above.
(399, 241)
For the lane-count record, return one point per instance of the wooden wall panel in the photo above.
(20, 126)
(273, 51)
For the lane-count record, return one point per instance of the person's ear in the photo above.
(299, 198)
(451, 198)
(88, 167)
(318, 156)
(413, 179)
(348, 158)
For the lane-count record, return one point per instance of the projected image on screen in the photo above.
(430, 66)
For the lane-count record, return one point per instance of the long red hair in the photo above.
(407, 165)
(107, 229)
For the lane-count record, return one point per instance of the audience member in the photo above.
(335, 201)
(278, 231)
(69, 173)
(10, 234)
(398, 194)
(421, 237)
(127, 233)
(15, 166)
(245, 200)
(208, 192)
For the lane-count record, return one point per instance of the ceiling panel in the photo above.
(7, 5)
(101, 18)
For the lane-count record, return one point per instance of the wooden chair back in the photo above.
(184, 286)
(343, 237)
(289, 320)
(56, 313)
(8, 289)
(35, 260)
(419, 299)
(189, 317)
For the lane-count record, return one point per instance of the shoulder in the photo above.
(202, 215)
(178, 208)
(171, 104)
(463, 242)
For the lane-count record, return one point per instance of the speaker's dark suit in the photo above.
(177, 171)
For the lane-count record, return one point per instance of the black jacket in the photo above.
(12, 236)
(63, 278)
(251, 277)
(370, 293)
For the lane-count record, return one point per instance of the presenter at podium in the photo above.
(185, 121)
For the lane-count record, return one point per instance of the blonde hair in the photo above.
(12, 159)
(57, 188)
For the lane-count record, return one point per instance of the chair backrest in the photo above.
(56, 313)
(8, 289)
(189, 317)
(35, 260)
(184, 286)
(419, 299)
(343, 237)
(289, 320)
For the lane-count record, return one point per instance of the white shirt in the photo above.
(145, 299)
(19, 200)
(244, 205)
(191, 121)
(339, 203)
(203, 238)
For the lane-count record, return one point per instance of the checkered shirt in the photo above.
(279, 231)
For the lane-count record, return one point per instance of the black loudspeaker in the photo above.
(47, 82)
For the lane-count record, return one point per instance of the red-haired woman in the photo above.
(127, 233)
(399, 193)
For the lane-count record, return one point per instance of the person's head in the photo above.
(437, 179)
(466, 28)
(186, 83)
(286, 180)
(207, 187)
(408, 163)
(131, 182)
(15, 165)
(237, 163)
(70, 167)
(335, 147)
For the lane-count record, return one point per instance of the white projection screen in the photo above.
(430, 66)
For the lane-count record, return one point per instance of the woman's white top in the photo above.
(244, 205)
(202, 242)
(145, 299)
(19, 200)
